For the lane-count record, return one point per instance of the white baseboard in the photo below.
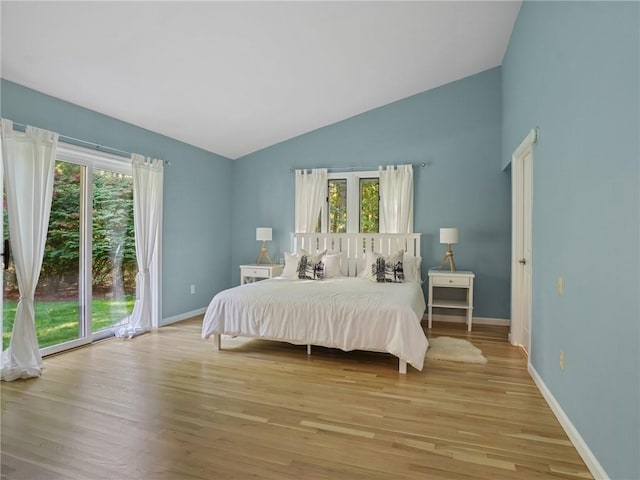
(583, 449)
(461, 319)
(182, 316)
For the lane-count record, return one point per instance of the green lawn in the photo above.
(57, 322)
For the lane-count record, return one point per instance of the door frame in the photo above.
(90, 160)
(519, 297)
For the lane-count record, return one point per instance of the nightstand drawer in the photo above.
(450, 281)
(256, 272)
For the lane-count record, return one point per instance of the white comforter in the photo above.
(345, 313)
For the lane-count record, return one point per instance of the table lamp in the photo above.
(450, 236)
(264, 234)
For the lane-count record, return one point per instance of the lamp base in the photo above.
(264, 255)
(448, 258)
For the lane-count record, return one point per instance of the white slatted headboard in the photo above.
(354, 246)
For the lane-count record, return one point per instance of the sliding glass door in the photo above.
(87, 280)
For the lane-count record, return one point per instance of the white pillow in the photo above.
(332, 265)
(411, 267)
(381, 269)
(290, 265)
(291, 261)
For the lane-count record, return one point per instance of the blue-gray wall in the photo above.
(572, 68)
(197, 214)
(457, 127)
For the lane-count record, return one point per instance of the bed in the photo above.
(346, 312)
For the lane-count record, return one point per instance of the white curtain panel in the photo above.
(311, 191)
(396, 199)
(29, 161)
(147, 205)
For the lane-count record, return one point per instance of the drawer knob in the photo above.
(450, 281)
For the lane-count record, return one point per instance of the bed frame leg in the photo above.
(217, 344)
(402, 366)
(308, 349)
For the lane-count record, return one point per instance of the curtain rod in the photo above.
(360, 169)
(94, 146)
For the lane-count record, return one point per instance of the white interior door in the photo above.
(522, 222)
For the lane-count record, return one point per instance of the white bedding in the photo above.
(346, 313)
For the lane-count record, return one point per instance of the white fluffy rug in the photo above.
(454, 350)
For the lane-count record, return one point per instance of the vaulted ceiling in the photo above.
(235, 77)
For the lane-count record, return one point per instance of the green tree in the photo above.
(113, 242)
(61, 262)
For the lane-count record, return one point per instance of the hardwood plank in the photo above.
(167, 406)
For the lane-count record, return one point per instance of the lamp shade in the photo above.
(449, 235)
(263, 234)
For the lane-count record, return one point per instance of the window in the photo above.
(338, 205)
(353, 203)
(369, 205)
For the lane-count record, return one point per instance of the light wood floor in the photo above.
(166, 406)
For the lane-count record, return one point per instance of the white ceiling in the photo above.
(235, 77)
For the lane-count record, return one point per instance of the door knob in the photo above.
(522, 261)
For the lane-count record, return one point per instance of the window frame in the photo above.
(353, 198)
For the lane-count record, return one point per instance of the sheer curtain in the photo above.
(396, 199)
(147, 206)
(311, 191)
(29, 161)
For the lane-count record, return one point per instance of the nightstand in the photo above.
(251, 273)
(441, 279)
